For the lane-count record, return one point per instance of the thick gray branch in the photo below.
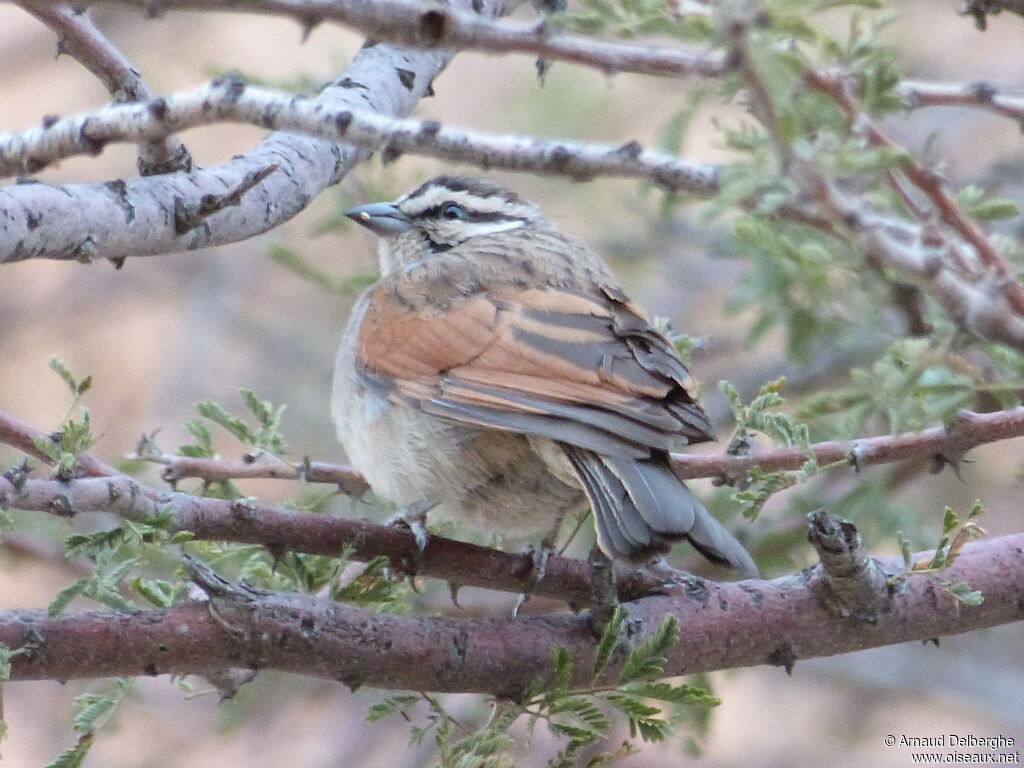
(141, 217)
(437, 25)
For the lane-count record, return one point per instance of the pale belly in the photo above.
(490, 480)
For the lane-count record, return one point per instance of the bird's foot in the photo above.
(414, 518)
(603, 591)
(540, 556)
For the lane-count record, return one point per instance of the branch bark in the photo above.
(137, 217)
(944, 445)
(230, 100)
(933, 186)
(79, 38)
(428, 25)
(457, 562)
(725, 626)
(921, 93)
(281, 530)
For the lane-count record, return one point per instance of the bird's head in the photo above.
(441, 214)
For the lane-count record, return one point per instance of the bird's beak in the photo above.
(382, 219)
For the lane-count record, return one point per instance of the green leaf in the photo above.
(160, 593)
(203, 447)
(904, 545)
(295, 262)
(632, 706)
(653, 730)
(77, 388)
(92, 707)
(677, 694)
(65, 596)
(561, 660)
(216, 413)
(45, 445)
(962, 591)
(647, 661)
(995, 208)
(390, 705)
(949, 520)
(73, 757)
(609, 641)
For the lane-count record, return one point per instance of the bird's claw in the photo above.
(603, 591)
(539, 556)
(414, 518)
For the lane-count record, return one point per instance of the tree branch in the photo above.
(433, 25)
(934, 188)
(282, 530)
(980, 308)
(725, 626)
(136, 217)
(921, 93)
(946, 445)
(79, 38)
(458, 562)
(982, 9)
(230, 100)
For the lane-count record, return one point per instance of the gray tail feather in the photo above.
(640, 507)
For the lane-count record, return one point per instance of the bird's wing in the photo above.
(583, 368)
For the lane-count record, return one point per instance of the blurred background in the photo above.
(167, 331)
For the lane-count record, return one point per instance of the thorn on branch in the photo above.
(17, 476)
(852, 584)
(85, 252)
(186, 219)
(60, 506)
(213, 584)
(631, 149)
(243, 510)
(309, 23)
(783, 656)
(232, 85)
(433, 26)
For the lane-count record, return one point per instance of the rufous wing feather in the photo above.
(579, 368)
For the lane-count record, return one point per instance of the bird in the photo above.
(498, 375)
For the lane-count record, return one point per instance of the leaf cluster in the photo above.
(955, 534)
(582, 718)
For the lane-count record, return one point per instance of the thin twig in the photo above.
(968, 431)
(934, 188)
(922, 93)
(79, 38)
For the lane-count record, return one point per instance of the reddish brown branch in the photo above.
(724, 626)
(921, 93)
(947, 444)
(931, 184)
(21, 435)
(457, 562)
(283, 530)
(218, 470)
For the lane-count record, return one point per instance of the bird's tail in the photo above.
(641, 507)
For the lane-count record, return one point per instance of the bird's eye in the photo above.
(453, 212)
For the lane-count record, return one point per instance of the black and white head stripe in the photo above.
(470, 201)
